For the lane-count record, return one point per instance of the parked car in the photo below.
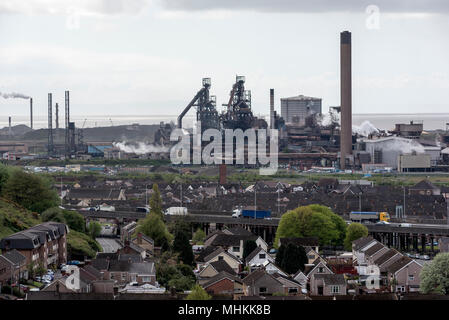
(73, 262)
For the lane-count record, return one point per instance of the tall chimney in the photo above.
(346, 97)
(31, 113)
(10, 130)
(271, 108)
(57, 115)
(67, 120)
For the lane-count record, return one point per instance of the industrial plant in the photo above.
(308, 138)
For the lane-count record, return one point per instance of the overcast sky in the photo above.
(143, 57)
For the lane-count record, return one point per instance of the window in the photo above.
(411, 277)
(335, 289)
(235, 249)
(292, 290)
(320, 270)
(262, 290)
(262, 256)
(146, 279)
(123, 276)
(220, 258)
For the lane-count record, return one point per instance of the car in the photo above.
(273, 250)
(382, 222)
(424, 257)
(38, 279)
(62, 265)
(73, 262)
(405, 225)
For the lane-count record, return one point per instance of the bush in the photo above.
(32, 191)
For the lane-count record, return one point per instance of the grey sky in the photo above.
(148, 57)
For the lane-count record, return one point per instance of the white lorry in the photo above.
(176, 211)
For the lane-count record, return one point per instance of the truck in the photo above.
(247, 213)
(368, 216)
(104, 207)
(176, 211)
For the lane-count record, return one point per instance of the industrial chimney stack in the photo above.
(10, 129)
(346, 97)
(271, 108)
(31, 113)
(57, 116)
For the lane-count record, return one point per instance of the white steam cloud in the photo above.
(14, 95)
(139, 147)
(405, 146)
(365, 129)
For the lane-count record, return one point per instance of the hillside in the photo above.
(14, 218)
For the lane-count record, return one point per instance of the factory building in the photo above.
(400, 153)
(296, 109)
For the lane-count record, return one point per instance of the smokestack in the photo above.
(222, 174)
(271, 108)
(31, 113)
(10, 130)
(345, 97)
(67, 119)
(57, 116)
(50, 125)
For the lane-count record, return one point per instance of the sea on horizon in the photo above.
(383, 121)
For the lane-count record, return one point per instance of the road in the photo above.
(109, 245)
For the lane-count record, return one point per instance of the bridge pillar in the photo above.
(431, 244)
(415, 242)
(423, 243)
(265, 234)
(389, 240)
(407, 242)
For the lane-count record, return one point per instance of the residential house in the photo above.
(388, 258)
(258, 257)
(291, 286)
(328, 285)
(44, 244)
(223, 283)
(144, 242)
(234, 243)
(403, 275)
(261, 282)
(359, 247)
(424, 187)
(221, 254)
(272, 268)
(319, 268)
(213, 268)
(301, 278)
(12, 267)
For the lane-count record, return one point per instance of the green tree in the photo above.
(4, 176)
(153, 226)
(31, 191)
(53, 214)
(40, 270)
(312, 221)
(355, 231)
(199, 236)
(156, 201)
(198, 293)
(294, 258)
(182, 245)
(435, 275)
(280, 255)
(248, 247)
(94, 229)
(74, 220)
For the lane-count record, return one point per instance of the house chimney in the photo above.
(139, 238)
(345, 97)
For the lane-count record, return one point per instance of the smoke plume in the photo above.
(365, 129)
(14, 95)
(139, 147)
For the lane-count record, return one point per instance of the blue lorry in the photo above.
(246, 213)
